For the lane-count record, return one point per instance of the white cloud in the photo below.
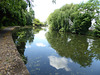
(40, 44)
(43, 8)
(59, 62)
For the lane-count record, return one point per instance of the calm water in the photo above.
(47, 52)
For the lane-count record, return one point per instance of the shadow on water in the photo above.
(21, 36)
(81, 49)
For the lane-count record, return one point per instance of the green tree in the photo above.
(97, 19)
(37, 22)
(75, 18)
(13, 12)
(86, 13)
(59, 19)
(97, 29)
(29, 17)
(81, 23)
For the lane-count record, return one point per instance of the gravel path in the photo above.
(10, 60)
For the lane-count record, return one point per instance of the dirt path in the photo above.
(10, 60)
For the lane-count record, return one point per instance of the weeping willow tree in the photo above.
(75, 18)
(59, 19)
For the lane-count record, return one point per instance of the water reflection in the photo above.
(21, 36)
(40, 45)
(78, 48)
(96, 48)
(58, 53)
(59, 62)
(90, 43)
(28, 46)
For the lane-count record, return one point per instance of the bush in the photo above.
(82, 23)
(97, 29)
(37, 22)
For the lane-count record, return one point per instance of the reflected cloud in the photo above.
(27, 46)
(90, 43)
(40, 44)
(59, 62)
(69, 39)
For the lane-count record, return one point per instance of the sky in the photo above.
(43, 8)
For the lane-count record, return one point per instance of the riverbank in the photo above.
(10, 60)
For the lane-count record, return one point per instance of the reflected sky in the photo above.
(41, 35)
(53, 53)
(28, 46)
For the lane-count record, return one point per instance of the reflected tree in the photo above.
(71, 46)
(21, 37)
(36, 29)
(96, 48)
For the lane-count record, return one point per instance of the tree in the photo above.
(29, 17)
(59, 19)
(97, 29)
(13, 12)
(37, 22)
(81, 23)
(75, 18)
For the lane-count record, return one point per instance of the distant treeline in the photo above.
(14, 12)
(76, 18)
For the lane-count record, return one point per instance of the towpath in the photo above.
(10, 60)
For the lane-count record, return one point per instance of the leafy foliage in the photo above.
(81, 23)
(13, 12)
(75, 18)
(29, 17)
(37, 22)
(97, 29)
(59, 19)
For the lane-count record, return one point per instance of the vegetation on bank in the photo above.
(17, 13)
(36, 22)
(14, 12)
(76, 18)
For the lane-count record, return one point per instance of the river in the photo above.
(47, 52)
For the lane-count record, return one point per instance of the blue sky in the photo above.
(43, 8)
